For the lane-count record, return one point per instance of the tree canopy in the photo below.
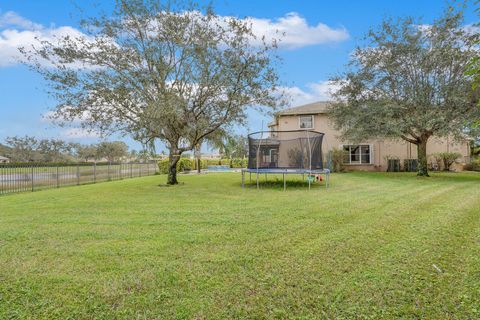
(171, 71)
(112, 151)
(408, 81)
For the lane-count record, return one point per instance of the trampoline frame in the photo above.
(284, 172)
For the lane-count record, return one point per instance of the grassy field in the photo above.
(372, 246)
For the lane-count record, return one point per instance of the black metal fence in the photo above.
(35, 176)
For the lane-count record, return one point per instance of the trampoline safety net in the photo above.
(298, 149)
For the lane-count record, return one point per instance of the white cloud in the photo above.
(317, 91)
(11, 19)
(52, 116)
(16, 31)
(295, 32)
(78, 133)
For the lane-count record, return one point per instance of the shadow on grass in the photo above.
(435, 176)
(164, 185)
(276, 183)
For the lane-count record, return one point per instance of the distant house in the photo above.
(370, 155)
(4, 160)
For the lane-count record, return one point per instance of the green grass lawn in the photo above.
(368, 247)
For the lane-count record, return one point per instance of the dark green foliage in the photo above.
(183, 165)
(337, 157)
(239, 163)
(474, 165)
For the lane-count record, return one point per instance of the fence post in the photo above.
(131, 170)
(58, 178)
(78, 174)
(94, 172)
(33, 183)
(108, 171)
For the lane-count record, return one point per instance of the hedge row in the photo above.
(185, 164)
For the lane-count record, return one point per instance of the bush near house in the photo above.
(337, 157)
(474, 165)
(446, 159)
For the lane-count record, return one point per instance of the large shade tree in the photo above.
(408, 82)
(155, 70)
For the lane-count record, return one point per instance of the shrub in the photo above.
(437, 162)
(212, 162)
(184, 164)
(337, 157)
(448, 158)
(238, 163)
(474, 165)
(225, 162)
(203, 164)
(163, 166)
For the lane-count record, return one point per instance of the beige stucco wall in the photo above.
(381, 148)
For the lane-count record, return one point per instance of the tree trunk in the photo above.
(197, 158)
(446, 165)
(422, 158)
(173, 157)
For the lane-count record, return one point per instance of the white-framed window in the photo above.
(305, 122)
(358, 154)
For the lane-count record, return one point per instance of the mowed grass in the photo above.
(374, 245)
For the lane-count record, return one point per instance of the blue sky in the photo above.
(322, 34)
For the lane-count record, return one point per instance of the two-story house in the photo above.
(371, 155)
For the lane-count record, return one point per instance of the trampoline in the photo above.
(286, 152)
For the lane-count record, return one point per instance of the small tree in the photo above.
(54, 150)
(113, 151)
(87, 152)
(448, 158)
(22, 149)
(159, 70)
(337, 157)
(408, 82)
